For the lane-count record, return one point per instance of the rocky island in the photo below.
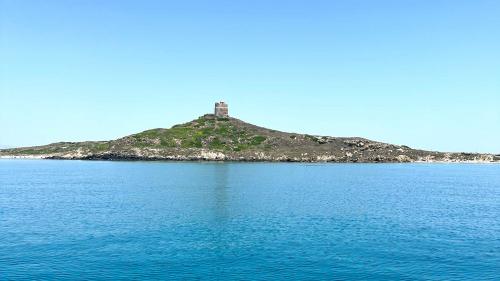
(219, 137)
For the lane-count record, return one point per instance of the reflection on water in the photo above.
(220, 186)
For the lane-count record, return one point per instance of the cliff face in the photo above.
(230, 139)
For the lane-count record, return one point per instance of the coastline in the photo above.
(229, 160)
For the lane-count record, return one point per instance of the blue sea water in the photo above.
(92, 220)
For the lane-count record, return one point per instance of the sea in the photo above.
(112, 220)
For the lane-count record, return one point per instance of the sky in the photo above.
(420, 73)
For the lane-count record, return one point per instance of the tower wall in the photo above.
(221, 109)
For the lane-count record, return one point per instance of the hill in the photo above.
(214, 138)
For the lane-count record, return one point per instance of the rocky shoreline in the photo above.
(219, 157)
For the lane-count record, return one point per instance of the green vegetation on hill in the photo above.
(63, 147)
(205, 132)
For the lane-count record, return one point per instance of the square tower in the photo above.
(221, 109)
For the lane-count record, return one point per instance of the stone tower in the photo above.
(221, 109)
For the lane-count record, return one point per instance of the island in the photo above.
(219, 137)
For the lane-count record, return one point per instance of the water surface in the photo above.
(70, 220)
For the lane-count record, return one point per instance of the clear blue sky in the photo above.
(421, 73)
